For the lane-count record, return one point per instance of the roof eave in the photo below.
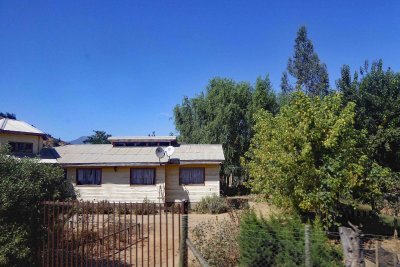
(133, 164)
(22, 133)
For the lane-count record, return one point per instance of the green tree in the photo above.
(311, 75)
(99, 137)
(24, 184)
(263, 96)
(224, 114)
(377, 98)
(307, 157)
(218, 115)
(8, 115)
(286, 87)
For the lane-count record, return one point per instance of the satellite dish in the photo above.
(169, 151)
(160, 153)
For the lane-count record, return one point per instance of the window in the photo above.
(191, 176)
(17, 147)
(88, 176)
(145, 176)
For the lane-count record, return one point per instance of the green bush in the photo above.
(146, 207)
(279, 241)
(211, 204)
(24, 184)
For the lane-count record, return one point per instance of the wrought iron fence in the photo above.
(110, 234)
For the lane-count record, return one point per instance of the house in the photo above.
(22, 137)
(128, 169)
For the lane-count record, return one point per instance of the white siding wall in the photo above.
(194, 193)
(115, 186)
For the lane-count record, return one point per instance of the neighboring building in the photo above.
(129, 170)
(22, 138)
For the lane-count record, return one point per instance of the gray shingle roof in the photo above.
(107, 155)
(9, 125)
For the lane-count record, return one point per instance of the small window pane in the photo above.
(191, 176)
(145, 176)
(88, 176)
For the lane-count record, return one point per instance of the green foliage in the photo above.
(311, 75)
(8, 115)
(223, 115)
(308, 157)
(99, 137)
(263, 96)
(279, 241)
(211, 204)
(286, 88)
(377, 97)
(24, 183)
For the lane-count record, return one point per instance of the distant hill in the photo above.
(78, 141)
(50, 141)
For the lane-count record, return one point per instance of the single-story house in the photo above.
(128, 169)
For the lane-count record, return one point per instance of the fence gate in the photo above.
(111, 234)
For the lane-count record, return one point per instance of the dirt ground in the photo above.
(136, 240)
(154, 239)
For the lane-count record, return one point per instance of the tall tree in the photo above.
(263, 96)
(308, 157)
(377, 98)
(218, 115)
(311, 75)
(99, 137)
(286, 87)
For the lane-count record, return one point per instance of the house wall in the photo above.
(175, 191)
(37, 141)
(115, 185)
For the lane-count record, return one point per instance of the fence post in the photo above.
(377, 244)
(307, 245)
(183, 250)
(352, 245)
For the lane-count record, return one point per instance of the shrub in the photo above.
(237, 203)
(279, 241)
(104, 207)
(211, 204)
(217, 241)
(24, 184)
(145, 208)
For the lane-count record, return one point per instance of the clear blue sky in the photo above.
(70, 67)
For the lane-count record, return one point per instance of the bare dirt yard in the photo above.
(152, 239)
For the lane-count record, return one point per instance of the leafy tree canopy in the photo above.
(307, 157)
(377, 98)
(99, 137)
(311, 75)
(223, 114)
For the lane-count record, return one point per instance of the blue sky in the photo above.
(70, 67)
